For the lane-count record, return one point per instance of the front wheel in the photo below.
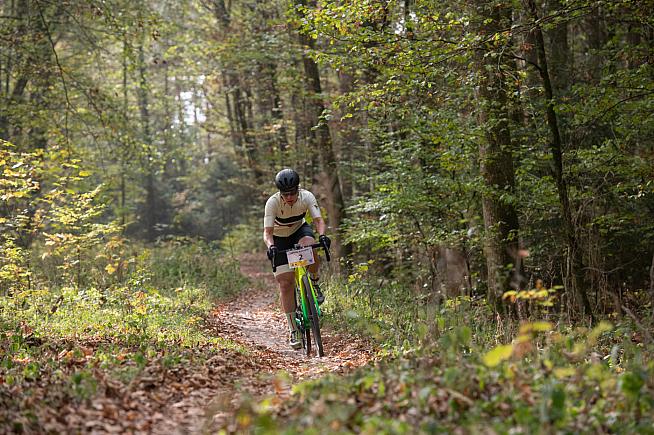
(299, 319)
(314, 321)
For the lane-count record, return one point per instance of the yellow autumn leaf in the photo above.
(541, 326)
(110, 269)
(497, 355)
(542, 293)
(535, 327)
(599, 330)
(523, 338)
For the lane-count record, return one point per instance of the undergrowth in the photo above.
(454, 367)
(139, 306)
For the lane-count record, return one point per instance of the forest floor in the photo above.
(234, 372)
(174, 391)
(269, 367)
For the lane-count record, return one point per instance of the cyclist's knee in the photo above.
(306, 241)
(286, 281)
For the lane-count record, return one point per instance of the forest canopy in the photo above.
(468, 147)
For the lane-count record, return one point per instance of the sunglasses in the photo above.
(289, 194)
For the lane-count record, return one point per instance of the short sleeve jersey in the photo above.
(286, 219)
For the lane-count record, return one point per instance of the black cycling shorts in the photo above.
(283, 243)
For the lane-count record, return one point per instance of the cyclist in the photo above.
(283, 227)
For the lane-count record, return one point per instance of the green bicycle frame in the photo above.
(301, 272)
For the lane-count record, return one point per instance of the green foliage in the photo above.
(18, 181)
(418, 107)
(183, 262)
(539, 385)
(77, 341)
(242, 238)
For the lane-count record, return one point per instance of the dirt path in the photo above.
(268, 369)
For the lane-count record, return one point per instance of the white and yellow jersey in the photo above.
(286, 219)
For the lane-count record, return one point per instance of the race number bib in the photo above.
(300, 257)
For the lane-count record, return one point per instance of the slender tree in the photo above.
(495, 153)
(574, 253)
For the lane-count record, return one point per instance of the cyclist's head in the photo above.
(287, 180)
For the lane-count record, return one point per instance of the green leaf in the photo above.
(557, 411)
(631, 384)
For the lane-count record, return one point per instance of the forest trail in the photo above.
(269, 367)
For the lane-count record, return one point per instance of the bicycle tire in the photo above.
(314, 321)
(306, 343)
(305, 328)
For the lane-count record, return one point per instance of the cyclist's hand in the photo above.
(272, 251)
(325, 241)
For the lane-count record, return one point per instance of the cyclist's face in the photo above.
(289, 197)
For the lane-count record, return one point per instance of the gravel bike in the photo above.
(307, 310)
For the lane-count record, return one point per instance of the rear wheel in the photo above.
(314, 321)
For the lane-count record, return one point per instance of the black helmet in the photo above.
(287, 180)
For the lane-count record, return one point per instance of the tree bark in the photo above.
(496, 161)
(595, 40)
(560, 49)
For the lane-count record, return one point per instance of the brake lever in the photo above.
(327, 253)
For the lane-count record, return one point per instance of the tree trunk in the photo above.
(124, 150)
(321, 139)
(560, 52)
(496, 161)
(574, 254)
(595, 40)
(150, 191)
(236, 140)
(238, 109)
(13, 96)
(350, 141)
(272, 111)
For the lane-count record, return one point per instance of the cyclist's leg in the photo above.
(286, 281)
(314, 269)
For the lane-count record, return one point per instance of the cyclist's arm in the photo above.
(314, 210)
(268, 236)
(269, 221)
(321, 227)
